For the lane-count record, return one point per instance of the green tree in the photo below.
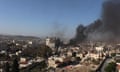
(111, 67)
(29, 52)
(15, 66)
(113, 54)
(43, 51)
(7, 67)
(40, 50)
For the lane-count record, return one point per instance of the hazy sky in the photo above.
(42, 17)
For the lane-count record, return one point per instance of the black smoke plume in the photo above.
(80, 35)
(107, 28)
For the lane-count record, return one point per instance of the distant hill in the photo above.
(17, 37)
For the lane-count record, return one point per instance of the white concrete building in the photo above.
(52, 61)
(47, 41)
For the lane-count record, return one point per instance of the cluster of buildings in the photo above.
(89, 55)
(82, 57)
(9, 49)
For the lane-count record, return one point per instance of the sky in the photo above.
(46, 17)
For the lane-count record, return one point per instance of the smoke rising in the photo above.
(107, 28)
(59, 30)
